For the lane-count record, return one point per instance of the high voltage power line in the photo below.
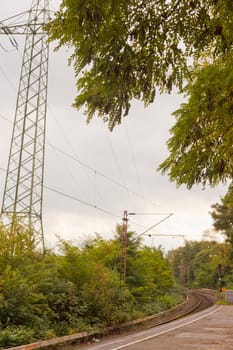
(92, 205)
(23, 191)
(76, 199)
(81, 201)
(79, 161)
(97, 172)
(96, 207)
(133, 156)
(24, 180)
(89, 167)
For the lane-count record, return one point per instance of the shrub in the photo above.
(14, 336)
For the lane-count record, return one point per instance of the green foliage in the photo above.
(166, 302)
(148, 274)
(44, 296)
(223, 217)
(124, 50)
(201, 143)
(15, 336)
(197, 264)
(98, 285)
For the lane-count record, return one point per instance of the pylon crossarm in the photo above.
(19, 24)
(22, 29)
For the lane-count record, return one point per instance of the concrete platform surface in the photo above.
(214, 332)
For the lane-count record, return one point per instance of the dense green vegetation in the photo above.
(80, 288)
(222, 216)
(77, 288)
(124, 50)
(205, 264)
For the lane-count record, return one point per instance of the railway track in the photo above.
(197, 300)
(204, 298)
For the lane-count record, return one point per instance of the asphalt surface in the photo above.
(210, 329)
(213, 332)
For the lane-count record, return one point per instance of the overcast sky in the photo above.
(113, 171)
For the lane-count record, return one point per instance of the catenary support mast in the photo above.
(23, 192)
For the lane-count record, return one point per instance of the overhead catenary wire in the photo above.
(81, 201)
(6, 119)
(94, 206)
(164, 235)
(115, 158)
(157, 223)
(92, 169)
(85, 202)
(70, 173)
(115, 182)
(153, 226)
(8, 80)
(96, 172)
(133, 157)
(90, 173)
(16, 16)
(149, 214)
(76, 199)
(10, 37)
(91, 205)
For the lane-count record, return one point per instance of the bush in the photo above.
(14, 336)
(166, 301)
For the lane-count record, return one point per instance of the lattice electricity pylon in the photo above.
(23, 192)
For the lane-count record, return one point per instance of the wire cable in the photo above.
(96, 172)
(157, 223)
(6, 76)
(87, 166)
(76, 159)
(76, 199)
(6, 119)
(69, 144)
(108, 212)
(115, 158)
(81, 201)
(133, 157)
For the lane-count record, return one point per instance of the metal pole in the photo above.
(124, 245)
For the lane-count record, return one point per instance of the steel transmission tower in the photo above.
(23, 192)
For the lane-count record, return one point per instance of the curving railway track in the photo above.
(197, 300)
(204, 299)
(124, 337)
